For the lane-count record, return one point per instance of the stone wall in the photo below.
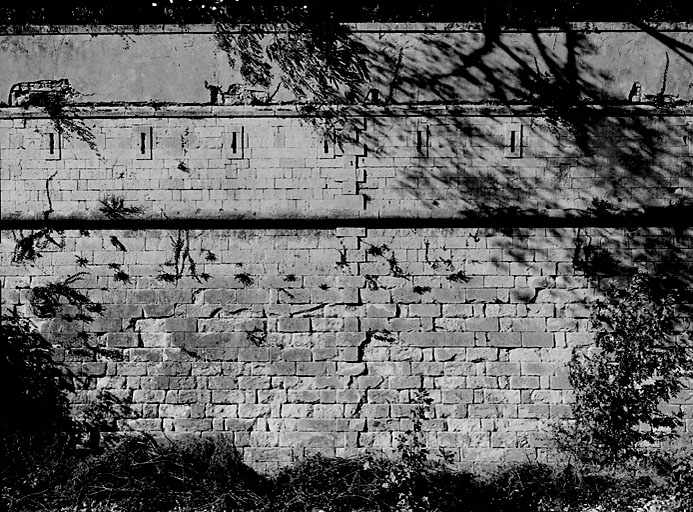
(391, 248)
(413, 162)
(305, 341)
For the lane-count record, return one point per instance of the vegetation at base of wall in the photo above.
(137, 473)
(641, 358)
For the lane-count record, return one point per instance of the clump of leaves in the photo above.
(115, 242)
(209, 255)
(435, 264)
(395, 269)
(113, 207)
(244, 278)
(377, 250)
(54, 102)
(290, 278)
(420, 290)
(258, 336)
(81, 261)
(343, 262)
(642, 359)
(121, 277)
(371, 282)
(380, 335)
(181, 261)
(28, 247)
(458, 277)
(324, 286)
(594, 261)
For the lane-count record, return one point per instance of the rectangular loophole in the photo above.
(422, 139)
(51, 146)
(327, 145)
(514, 140)
(144, 136)
(279, 137)
(234, 143)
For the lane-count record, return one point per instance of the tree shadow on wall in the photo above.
(518, 130)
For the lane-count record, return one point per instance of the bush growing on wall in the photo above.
(640, 360)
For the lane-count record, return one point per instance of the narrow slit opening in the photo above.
(51, 143)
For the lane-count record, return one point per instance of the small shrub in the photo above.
(641, 360)
(113, 207)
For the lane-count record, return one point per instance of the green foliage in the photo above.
(640, 360)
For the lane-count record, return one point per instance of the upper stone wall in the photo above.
(262, 162)
(409, 62)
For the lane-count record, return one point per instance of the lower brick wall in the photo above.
(296, 342)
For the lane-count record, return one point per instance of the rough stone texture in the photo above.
(268, 162)
(319, 352)
(303, 341)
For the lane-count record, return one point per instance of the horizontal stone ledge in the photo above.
(680, 217)
(122, 110)
(375, 27)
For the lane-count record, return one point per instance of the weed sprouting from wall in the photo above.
(181, 261)
(258, 336)
(27, 247)
(113, 207)
(244, 278)
(414, 455)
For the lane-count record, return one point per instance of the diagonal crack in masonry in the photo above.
(311, 309)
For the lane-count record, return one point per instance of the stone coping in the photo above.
(178, 110)
(583, 26)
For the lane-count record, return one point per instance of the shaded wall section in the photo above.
(407, 62)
